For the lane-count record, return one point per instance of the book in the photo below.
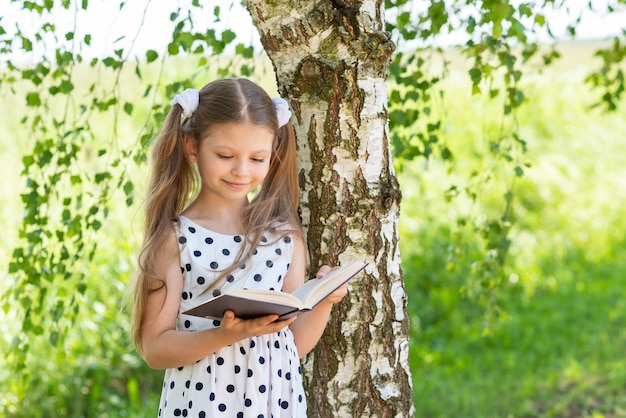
(254, 303)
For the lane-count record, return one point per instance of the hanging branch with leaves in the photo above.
(500, 37)
(74, 170)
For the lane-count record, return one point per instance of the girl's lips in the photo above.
(236, 185)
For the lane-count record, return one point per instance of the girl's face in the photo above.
(233, 159)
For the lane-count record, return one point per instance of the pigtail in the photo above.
(286, 156)
(171, 181)
(171, 176)
(276, 204)
(281, 183)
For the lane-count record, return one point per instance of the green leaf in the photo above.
(524, 10)
(540, 20)
(66, 86)
(58, 310)
(172, 48)
(403, 19)
(129, 187)
(27, 161)
(54, 338)
(446, 154)
(228, 36)
(96, 225)
(138, 72)
(100, 177)
(111, 62)
(475, 75)
(27, 45)
(33, 99)
(245, 51)
(151, 55)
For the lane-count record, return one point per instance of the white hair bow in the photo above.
(188, 100)
(282, 111)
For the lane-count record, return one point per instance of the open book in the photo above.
(254, 303)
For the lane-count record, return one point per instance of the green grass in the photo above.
(559, 353)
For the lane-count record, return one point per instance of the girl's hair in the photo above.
(174, 181)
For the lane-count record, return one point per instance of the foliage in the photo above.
(558, 350)
(502, 44)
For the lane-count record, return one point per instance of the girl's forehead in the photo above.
(236, 135)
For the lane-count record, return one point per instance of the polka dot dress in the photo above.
(256, 377)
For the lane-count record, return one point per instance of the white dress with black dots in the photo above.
(256, 377)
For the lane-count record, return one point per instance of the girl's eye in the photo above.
(224, 157)
(258, 160)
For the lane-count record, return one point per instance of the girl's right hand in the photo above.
(239, 329)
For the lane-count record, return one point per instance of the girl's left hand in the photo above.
(338, 294)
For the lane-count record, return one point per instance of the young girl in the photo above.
(240, 141)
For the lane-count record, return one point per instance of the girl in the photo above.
(240, 141)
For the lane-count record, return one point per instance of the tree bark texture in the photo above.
(331, 61)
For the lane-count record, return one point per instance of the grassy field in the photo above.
(555, 348)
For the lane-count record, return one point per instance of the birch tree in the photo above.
(331, 61)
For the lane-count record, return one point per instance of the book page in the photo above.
(270, 296)
(314, 290)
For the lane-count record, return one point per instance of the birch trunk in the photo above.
(331, 61)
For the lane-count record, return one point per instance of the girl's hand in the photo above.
(338, 294)
(239, 329)
(308, 329)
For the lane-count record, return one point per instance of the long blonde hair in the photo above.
(173, 180)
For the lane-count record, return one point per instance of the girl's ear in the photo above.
(191, 148)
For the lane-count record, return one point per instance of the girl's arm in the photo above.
(163, 345)
(308, 328)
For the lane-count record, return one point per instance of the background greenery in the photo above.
(550, 343)
(557, 347)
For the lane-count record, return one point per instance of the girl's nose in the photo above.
(241, 169)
